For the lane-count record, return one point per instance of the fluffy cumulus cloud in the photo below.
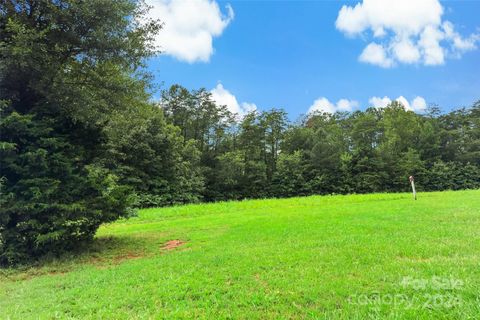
(405, 31)
(189, 27)
(324, 105)
(379, 103)
(225, 98)
(376, 54)
(418, 104)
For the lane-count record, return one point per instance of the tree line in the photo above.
(83, 143)
(263, 154)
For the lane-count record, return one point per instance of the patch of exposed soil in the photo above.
(172, 244)
(101, 263)
(128, 256)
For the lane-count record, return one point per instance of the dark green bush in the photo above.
(51, 201)
(65, 68)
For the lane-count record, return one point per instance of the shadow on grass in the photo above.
(103, 252)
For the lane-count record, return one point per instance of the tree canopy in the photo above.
(67, 68)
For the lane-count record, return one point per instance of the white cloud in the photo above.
(458, 42)
(433, 52)
(324, 105)
(346, 105)
(225, 98)
(189, 27)
(418, 104)
(379, 103)
(405, 51)
(375, 54)
(410, 32)
(404, 102)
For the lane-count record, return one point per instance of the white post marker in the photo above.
(412, 182)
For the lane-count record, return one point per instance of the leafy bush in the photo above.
(50, 200)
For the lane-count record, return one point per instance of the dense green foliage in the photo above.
(320, 257)
(67, 67)
(83, 143)
(263, 155)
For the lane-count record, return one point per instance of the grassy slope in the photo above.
(292, 258)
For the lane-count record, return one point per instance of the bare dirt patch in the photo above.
(172, 244)
(107, 263)
(128, 256)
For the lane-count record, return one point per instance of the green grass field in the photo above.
(336, 257)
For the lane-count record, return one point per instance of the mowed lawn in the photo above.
(381, 256)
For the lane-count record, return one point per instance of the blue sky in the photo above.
(292, 54)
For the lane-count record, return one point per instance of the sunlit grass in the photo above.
(348, 257)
